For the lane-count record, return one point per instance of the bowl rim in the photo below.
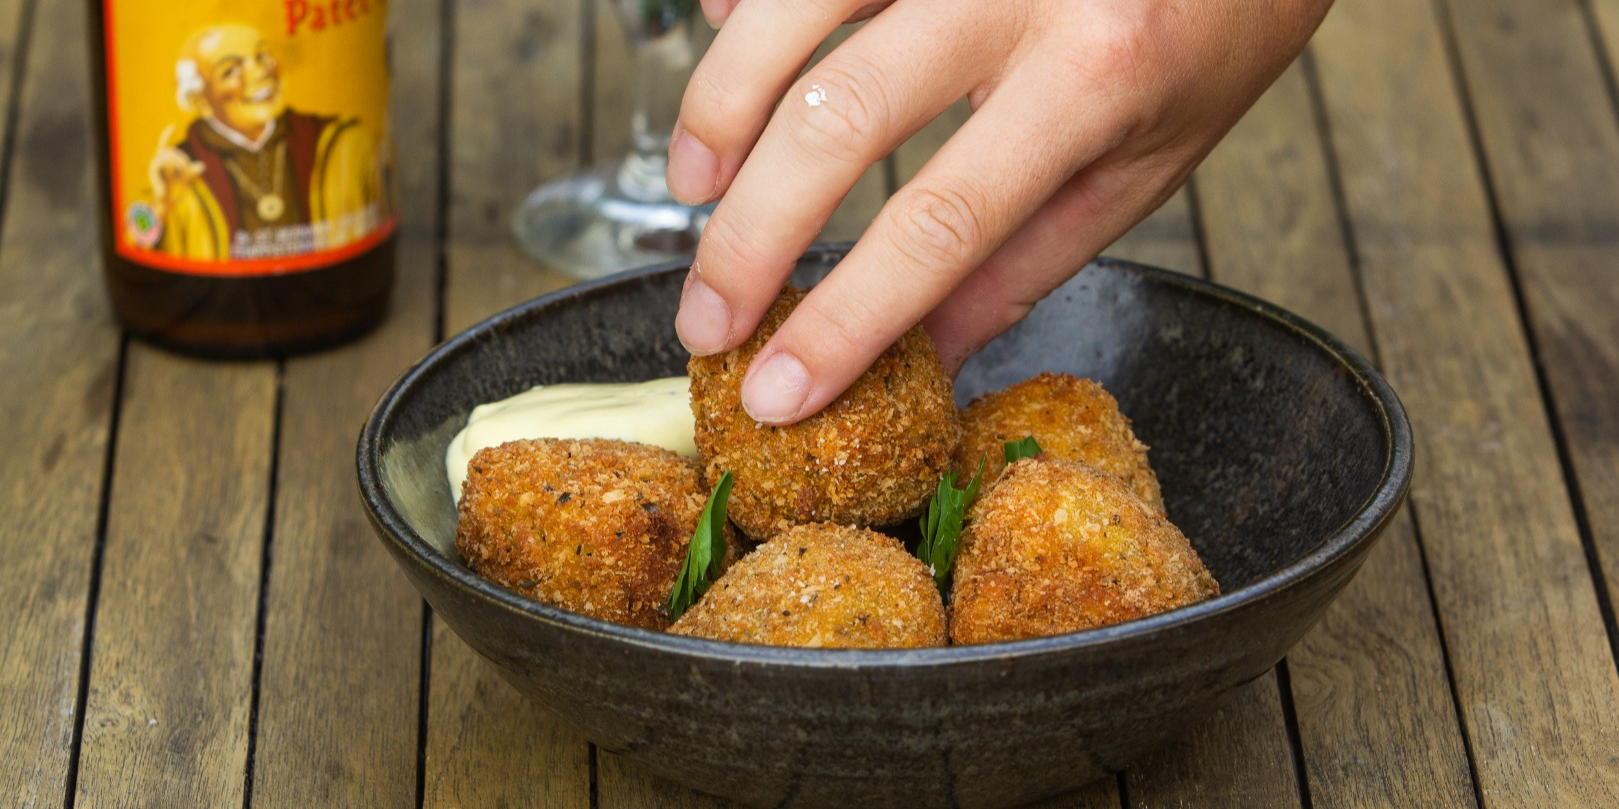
(1361, 528)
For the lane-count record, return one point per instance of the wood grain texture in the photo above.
(340, 684)
(489, 746)
(166, 723)
(1376, 721)
(1550, 140)
(1536, 684)
(1238, 756)
(514, 121)
(59, 363)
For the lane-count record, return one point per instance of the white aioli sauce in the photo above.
(656, 412)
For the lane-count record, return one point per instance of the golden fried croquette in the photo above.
(872, 457)
(1069, 417)
(1055, 546)
(595, 526)
(826, 586)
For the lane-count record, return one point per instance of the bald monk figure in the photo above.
(253, 178)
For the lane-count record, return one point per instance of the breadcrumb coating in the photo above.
(1070, 417)
(595, 526)
(1056, 546)
(872, 457)
(823, 586)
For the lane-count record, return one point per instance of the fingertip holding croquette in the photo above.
(1057, 546)
(594, 526)
(871, 457)
(826, 586)
(1071, 418)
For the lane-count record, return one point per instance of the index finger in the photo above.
(1000, 167)
(852, 108)
(163, 139)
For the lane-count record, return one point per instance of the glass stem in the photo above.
(662, 66)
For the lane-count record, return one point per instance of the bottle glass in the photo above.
(247, 200)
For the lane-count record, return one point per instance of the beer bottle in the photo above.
(247, 199)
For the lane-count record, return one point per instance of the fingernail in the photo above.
(693, 170)
(721, 9)
(704, 319)
(775, 390)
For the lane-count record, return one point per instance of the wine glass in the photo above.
(618, 214)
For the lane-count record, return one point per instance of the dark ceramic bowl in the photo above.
(1281, 452)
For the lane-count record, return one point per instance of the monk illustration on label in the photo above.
(253, 178)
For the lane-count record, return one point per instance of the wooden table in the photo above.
(196, 613)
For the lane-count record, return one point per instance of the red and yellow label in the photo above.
(248, 138)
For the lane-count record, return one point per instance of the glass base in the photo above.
(591, 224)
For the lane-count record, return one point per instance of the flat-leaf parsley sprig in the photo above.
(1018, 450)
(941, 528)
(703, 555)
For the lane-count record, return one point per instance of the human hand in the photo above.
(170, 172)
(1088, 115)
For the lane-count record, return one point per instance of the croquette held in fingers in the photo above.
(1070, 417)
(1056, 546)
(871, 457)
(594, 526)
(822, 586)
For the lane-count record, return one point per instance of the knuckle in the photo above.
(709, 103)
(838, 113)
(939, 229)
(725, 251)
(839, 330)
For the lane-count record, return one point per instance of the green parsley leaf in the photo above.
(1018, 450)
(703, 555)
(941, 528)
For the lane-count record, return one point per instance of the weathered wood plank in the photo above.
(487, 745)
(1238, 756)
(1376, 720)
(340, 684)
(59, 363)
(1549, 136)
(514, 122)
(166, 723)
(1533, 674)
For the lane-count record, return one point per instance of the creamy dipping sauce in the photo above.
(656, 412)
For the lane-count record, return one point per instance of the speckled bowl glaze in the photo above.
(1281, 452)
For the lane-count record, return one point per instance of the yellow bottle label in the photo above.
(248, 137)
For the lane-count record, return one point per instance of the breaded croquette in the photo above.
(872, 457)
(1056, 546)
(595, 526)
(823, 586)
(1069, 417)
